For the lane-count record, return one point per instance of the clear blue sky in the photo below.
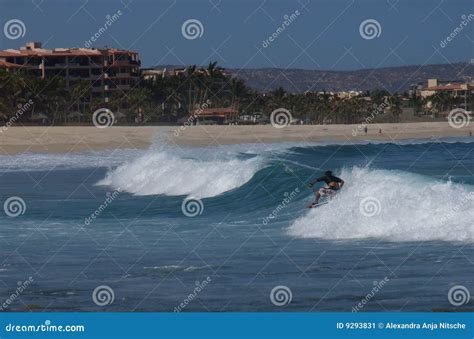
(325, 34)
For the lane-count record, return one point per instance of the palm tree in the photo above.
(396, 107)
(238, 91)
(80, 94)
(138, 99)
(441, 101)
(11, 88)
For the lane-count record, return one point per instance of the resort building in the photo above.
(253, 119)
(107, 70)
(162, 72)
(153, 74)
(348, 94)
(461, 92)
(218, 116)
(9, 67)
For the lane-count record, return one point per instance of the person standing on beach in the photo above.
(365, 130)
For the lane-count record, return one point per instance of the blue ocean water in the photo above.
(399, 235)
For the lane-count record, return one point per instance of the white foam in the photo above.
(112, 158)
(410, 208)
(49, 162)
(163, 172)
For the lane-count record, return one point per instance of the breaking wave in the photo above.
(393, 206)
(160, 172)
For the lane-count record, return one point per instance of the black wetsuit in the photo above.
(328, 179)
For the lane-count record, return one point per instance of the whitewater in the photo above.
(394, 206)
(167, 174)
(403, 206)
(404, 214)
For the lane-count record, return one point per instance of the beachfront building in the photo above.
(107, 70)
(459, 93)
(161, 72)
(253, 119)
(219, 116)
(348, 94)
(9, 67)
(153, 74)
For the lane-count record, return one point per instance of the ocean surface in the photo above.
(227, 228)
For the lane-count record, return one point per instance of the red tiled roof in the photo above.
(216, 111)
(39, 52)
(220, 110)
(448, 87)
(118, 51)
(62, 52)
(9, 65)
(7, 54)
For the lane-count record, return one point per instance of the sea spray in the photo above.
(163, 172)
(412, 208)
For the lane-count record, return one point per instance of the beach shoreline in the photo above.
(67, 139)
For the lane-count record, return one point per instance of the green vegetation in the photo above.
(170, 98)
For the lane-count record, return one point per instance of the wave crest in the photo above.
(403, 207)
(159, 172)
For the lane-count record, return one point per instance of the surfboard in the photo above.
(313, 205)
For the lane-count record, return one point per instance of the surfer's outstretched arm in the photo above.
(312, 182)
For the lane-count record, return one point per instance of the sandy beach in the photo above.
(78, 139)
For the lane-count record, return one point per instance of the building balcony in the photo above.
(117, 87)
(78, 76)
(123, 87)
(124, 75)
(122, 62)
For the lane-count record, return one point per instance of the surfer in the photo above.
(333, 184)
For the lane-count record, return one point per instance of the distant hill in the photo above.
(393, 79)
